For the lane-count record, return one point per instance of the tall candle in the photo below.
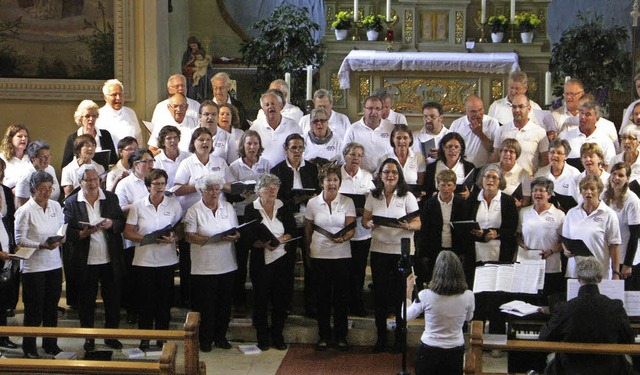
(355, 10)
(309, 81)
(287, 79)
(388, 10)
(567, 78)
(547, 88)
(513, 11)
(483, 12)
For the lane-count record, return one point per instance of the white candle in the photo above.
(547, 88)
(513, 11)
(355, 10)
(388, 10)
(287, 79)
(483, 12)
(567, 78)
(309, 81)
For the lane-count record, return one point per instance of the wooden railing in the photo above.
(189, 334)
(473, 357)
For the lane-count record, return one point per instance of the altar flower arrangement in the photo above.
(527, 21)
(373, 22)
(498, 23)
(343, 20)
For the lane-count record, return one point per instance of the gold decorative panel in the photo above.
(497, 91)
(533, 86)
(339, 98)
(459, 27)
(434, 26)
(331, 13)
(408, 26)
(409, 94)
(364, 88)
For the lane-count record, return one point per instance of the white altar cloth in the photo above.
(361, 60)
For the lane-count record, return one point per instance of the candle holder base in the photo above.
(356, 27)
(482, 38)
(512, 38)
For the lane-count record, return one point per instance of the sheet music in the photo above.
(632, 303)
(526, 278)
(541, 264)
(613, 289)
(510, 278)
(485, 279)
(504, 278)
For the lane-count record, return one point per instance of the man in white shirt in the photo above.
(605, 126)
(274, 129)
(531, 137)
(291, 111)
(388, 113)
(372, 132)
(501, 108)
(221, 83)
(434, 128)
(338, 123)
(176, 84)
(223, 146)
(177, 107)
(573, 92)
(114, 117)
(627, 117)
(477, 130)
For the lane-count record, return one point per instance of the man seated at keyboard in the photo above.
(591, 318)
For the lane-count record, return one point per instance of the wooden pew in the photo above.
(473, 357)
(189, 335)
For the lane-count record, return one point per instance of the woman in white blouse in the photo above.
(229, 121)
(630, 141)
(84, 148)
(153, 264)
(592, 158)
(330, 256)
(413, 164)
(36, 221)
(561, 173)
(518, 179)
(126, 147)
(358, 182)
(170, 155)
(40, 156)
(13, 150)
(392, 199)
(213, 264)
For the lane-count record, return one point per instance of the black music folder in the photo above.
(577, 247)
(392, 222)
(219, 236)
(467, 183)
(464, 225)
(339, 233)
(151, 238)
(358, 200)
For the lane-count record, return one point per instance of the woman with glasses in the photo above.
(126, 147)
(320, 141)
(451, 155)
(629, 155)
(390, 199)
(560, 173)
(40, 154)
(84, 148)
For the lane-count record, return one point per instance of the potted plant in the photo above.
(342, 24)
(498, 27)
(527, 22)
(373, 25)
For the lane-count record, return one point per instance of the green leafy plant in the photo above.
(343, 20)
(10, 63)
(498, 23)
(527, 21)
(373, 22)
(100, 45)
(284, 44)
(594, 54)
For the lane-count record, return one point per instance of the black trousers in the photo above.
(437, 361)
(211, 296)
(92, 276)
(71, 275)
(332, 289)
(128, 292)
(184, 266)
(155, 296)
(242, 257)
(359, 255)
(40, 295)
(388, 290)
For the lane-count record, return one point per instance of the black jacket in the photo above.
(284, 214)
(106, 142)
(308, 175)
(507, 230)
(431, 231)
(9, 220)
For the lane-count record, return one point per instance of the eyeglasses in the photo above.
(554, 152)
(431, 117)
(508, 151)
(44, 157)
(491, 177)
(145, 161)
(319, 121)
(539, 190)
(178, 106)
(44, 189)
(393, 173)
(521, 106)
(94, 179)
(629, 138)
(353, 155)
(159, 183)
(573, 93)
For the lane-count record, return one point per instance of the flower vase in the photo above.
(372, 35)
(497, 37)
(527, 37)
(341, 34)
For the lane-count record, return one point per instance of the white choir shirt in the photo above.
(360, 183)
(338, 123)
(33, 226)
(191, 169)
(443, 317)
(242, 172)
(489, 217)
(446, 209)
(276, 228)
(162, 116)
(635, 167)
(532, 139)
(626, 117)
(23, 190)
(69, 177)
(629, 214)
(396, 118)
(273, 139)
(475, 151)
(575, 187)
(561, 115)
(458, 169)
(146, 219)
(386, 240)
(541, 232)
(121, 123)
(169, 166)
(576, 139)
(375, 142)
(3, 201)
(598, 230)
(129, 190)
(563, 184)
(328, 150)
(515, 177)
(605, 126)
(290, 111)
(332, 219)
(415, 164)
(224, 146)
(501, 110)
(15, 170)
(422, 136)
(98, 250)
(211, 259)
(115, 171)
(186, 128)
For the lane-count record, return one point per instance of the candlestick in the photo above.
(388, 10)
(390, 36)
(547, 88)
(287, 79)
(482, 38)
(355, 10)
(483, 12)
(309, 81)
(513, 11)
(567, 78)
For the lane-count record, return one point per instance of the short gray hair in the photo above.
(84, 105)
(561, 143)
(83, 169)
(544, 182)
(323, 93)
(502, 184)
(207, 181)
(37, 178)
(270, 92)
(592, 104)
(111, 82)
(35, 146)
(315, 112)
(589, 271)
(267, 180)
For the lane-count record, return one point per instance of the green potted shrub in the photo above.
(527, 22)
(342, 23)
(373, 24)
(498, 26)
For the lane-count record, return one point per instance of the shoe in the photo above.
(322, 345)
(132, 317)
(10, 313)
(160, 343)
(205, 347)
(113, 343)
(32, 354)
(89, 345)
(280, 345)
(6, 343)
(52, 350)
(264, 346)
(144, 345)
(342, 345)
(379, 346)
(223, 344)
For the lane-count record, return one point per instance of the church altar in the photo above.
(366, 60)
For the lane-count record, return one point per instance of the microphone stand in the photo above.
(405, 267)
